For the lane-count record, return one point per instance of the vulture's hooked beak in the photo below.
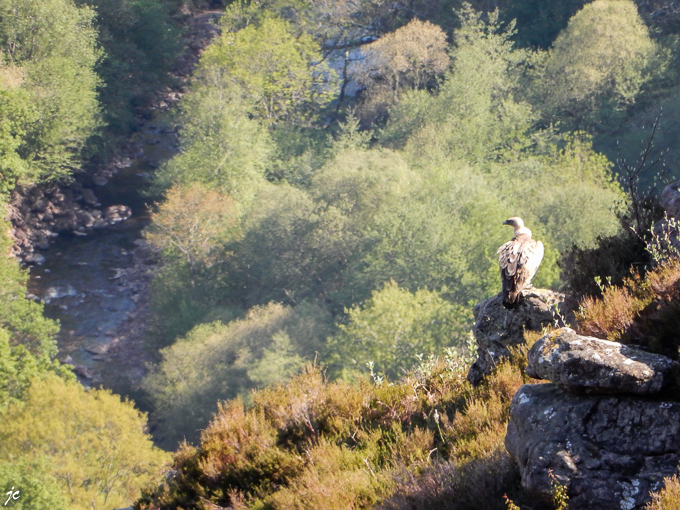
(506, 222)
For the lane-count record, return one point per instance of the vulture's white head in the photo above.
(518, 224)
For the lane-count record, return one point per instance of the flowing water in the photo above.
(80, 281)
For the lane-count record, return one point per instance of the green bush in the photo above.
(92, 445)
(44, 45)
(309, 443)
(219, 361)
(395, 327)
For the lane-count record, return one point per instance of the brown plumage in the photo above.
(519, 260)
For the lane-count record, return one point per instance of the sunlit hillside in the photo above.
(245, 238)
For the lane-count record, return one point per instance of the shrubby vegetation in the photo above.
(64, 447)
(427, 441)
(302, 225)
(393, 328)
(27, 346)
(388, 222)
(49, 88)
(642, 311)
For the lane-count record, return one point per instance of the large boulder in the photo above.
(610, 451)
(583, 363)
(496, 328)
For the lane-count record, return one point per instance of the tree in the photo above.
(279, 72)
(476, 114)
(90, 442)
(394, 327)
(301, 245)
(191, 229)
(38, 489)
(222, 148)
(50, 47)
(409, 58)
(17, 114)
(192, 224)
(27, 343)
(218, 361)
(601, 60)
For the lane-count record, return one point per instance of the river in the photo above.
(81, 282)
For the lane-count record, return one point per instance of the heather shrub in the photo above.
(612, 257)
(644, 310)
(611, 315)
(475, 485)
(338, 477)
(667, 498)
(309, 443)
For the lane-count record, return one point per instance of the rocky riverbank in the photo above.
(90, 265)
(40, 213)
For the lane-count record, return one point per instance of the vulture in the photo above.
(519, 260)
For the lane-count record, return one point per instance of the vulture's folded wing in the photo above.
(532, 255)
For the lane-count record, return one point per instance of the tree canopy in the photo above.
(49, 54)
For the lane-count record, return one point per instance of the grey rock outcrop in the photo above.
(670, 199)
(582, 363)
(497, 328)
(610, 451)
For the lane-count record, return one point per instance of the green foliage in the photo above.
(474, 115)
(309, 244)
(222, 148)
(394, 327)
(45, 45)
(141, 45)
(190, 230)
(220, 361)
(277, 71)
(20, 316)
(598, 64)
(17, 113)
(38, 489)
(89, 442)
(27, 344)
(559, 493)
(300, 151)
